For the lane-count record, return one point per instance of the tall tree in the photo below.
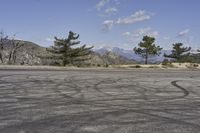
(14, 48)
(3, 41)
(179, 53)
(147, 48)
(68, 51)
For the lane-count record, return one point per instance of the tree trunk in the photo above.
(10, 55)
(146, 58)
(14, 56)
(146, 62)
(1, 58)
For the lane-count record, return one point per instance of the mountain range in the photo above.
(130, 54)
(31, 54)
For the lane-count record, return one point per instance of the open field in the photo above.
(103, 101)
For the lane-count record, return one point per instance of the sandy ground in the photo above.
(100, 101)
(176, 66)
(160, 66)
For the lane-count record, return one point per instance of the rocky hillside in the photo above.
(28, 54)
(130, 54)
(32, 54)
(108, 58)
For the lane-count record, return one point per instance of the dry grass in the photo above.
(160, 66)
(133, 66)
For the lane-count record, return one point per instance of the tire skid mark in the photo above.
(185, 91)
(72, 81)
(107, 105)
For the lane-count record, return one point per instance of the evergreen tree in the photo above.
(179, 53)
(147, 48)
(67, 51)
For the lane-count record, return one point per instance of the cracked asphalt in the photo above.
(100, 101)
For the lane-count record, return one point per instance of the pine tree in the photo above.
(179, 53)
(147, 48)
(67, 51)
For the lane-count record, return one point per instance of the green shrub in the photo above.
(137, 66)
(195, 65)
(154, 67)
(165, 62)
(106, 65)
(98, 65)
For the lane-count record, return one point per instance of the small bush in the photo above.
(154, 67)
(137, 66)
(168, 65)
(98, 65)
(106, 65)
(195, 65)
(192, 65)
(82, 65)
(55, 63)
(165, 62)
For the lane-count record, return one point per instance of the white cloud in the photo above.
(184, 32)
(146, 31)
(49, 39)
(108, 24)
(126, 34)
(137, 35)
(101, 4)
(111, 10)
(138, 16)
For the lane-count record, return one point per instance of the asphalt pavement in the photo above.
(100, 101)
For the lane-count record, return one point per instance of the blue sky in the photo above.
(103, 23)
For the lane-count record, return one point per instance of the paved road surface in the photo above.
(99, 101)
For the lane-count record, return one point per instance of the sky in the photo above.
(103, 23)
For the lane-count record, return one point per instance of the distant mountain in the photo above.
(108, 58)
(32, 54)
(129, 54)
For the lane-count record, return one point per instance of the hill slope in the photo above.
(108, 58)
(31, 54)
(28, 53)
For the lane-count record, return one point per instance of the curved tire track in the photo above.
(185, 91)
